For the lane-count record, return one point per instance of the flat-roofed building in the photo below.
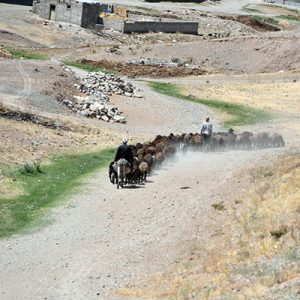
(80, 13)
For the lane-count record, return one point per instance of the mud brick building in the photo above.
(80, 13)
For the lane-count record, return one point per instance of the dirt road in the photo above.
(103, 238)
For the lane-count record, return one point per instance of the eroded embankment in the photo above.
(28, 117)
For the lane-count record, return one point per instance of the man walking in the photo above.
(206, 130)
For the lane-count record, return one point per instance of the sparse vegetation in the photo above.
(256, 253)
(31, 168)
(251, 10)
(240, 114)
(219, 206)
(114, 48)
(290, 18)
(87, 67)
(267, 20)
(44, 186)
(26, 54)
(278, 233)
(175, 59)
(263, 171)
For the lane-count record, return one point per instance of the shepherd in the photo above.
(206, 130)
(124, 151)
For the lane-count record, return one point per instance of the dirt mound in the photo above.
(135, 70)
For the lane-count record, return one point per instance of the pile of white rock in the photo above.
(98, 88)
(173, 63)
(104, 85)
(93, 107)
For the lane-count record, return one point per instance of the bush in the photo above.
(31, 168)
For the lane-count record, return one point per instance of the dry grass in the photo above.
(276, 9)
(261, 92)
(245, 261)
(8, 188)
(25, 141)
(277, 97)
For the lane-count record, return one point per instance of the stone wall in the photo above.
(167, 27)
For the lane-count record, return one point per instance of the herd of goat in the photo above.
(153, 153)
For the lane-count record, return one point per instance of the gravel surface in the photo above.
(237, 55)
(28, 84)
(104, 238)
(157, 114)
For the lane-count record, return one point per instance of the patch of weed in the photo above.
(279, 232)
(218, 206)
(25, 54)
(290, 18)
(43, 189)
(251, 10)
(31, 168)
(86, 67)
(267, 20)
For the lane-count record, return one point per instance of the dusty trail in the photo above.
(104, 238)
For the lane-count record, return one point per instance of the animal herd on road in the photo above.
(151, 154)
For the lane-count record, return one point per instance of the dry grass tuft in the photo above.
(219, 206)
(256, 257)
